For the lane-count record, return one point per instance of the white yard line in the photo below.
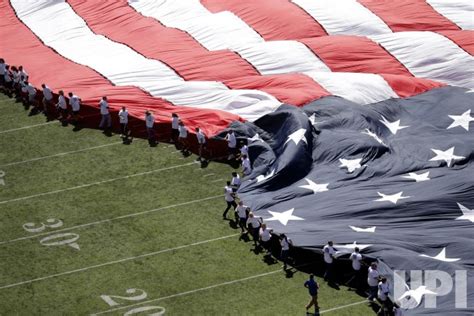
(94, 183)
(26, 127)
(58, 155)
(217, 180)
(111, 219)
(190, 292)
(115, 261)
(208, 175)
(342, 307)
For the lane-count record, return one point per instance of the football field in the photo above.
(89, 225)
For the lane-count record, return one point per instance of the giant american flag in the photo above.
(358, 114)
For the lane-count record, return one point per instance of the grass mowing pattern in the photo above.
(119, 222)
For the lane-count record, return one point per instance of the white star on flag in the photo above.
(467, 214)
(393, 198)
(442, 256)
(297, 136)
(447, 155)
(312, 119)
(373, 135)
(262, 177)
(394, 126)
(315, 187)
(255, 137)
(363, 230)
(284, 217)
(351, 164)
(418, 177)
(416, 295)
(462, 120)
(348, 248)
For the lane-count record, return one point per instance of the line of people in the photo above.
(263, 236)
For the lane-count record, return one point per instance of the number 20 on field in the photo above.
(135, 295)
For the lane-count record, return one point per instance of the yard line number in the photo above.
(60, 239)
(134, 295)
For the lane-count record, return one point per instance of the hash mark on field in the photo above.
(208, 175)
(26, 127)
(112, 219)
(190, 292)
(117, 261)
(218, 180)
(95, 183)
(58, 155)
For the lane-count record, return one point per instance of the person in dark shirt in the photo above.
(312, 287)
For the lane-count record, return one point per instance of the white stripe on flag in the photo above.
(357, 87)
(59, 27)
(271, 57)
(460, 12)
(430, 55)
(224, 30)
(347, 17)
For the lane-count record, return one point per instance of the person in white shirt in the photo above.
(150, 123)
(244, 149)
(201, 139)
(62, 105)
(241, 213)
(382, 293)
(235, 182)
(229, 197)
(23, 74)
(329, 253)
(183, 138)
(30, 92)
(174, 127)
(16, 83)
(123, 119)
(253, 226)
(47, 98)
(265, 237)
(106, 120)
(246, 165)
(8, 84)
(373, 281)
(356, 259)
(231, 144)
(285, 243)
(75, 103)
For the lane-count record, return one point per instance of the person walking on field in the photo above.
(75, 103)
(106, 120)
(183, 138)
(123, 118)
(313, 288)
(174, 128)
(62, 106)
(231, 144)
(229, 196)
(47, 98)
(201, 139)
(241, 213)
(150, 123)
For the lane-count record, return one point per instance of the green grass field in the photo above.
(127, 217)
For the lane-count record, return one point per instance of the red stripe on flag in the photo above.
(359, 54)
(44, 65)
(409, 15)
(186, 56)
(272, 19)
(464, 39)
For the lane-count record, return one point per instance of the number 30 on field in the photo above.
(136, 295)
(64, 239)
